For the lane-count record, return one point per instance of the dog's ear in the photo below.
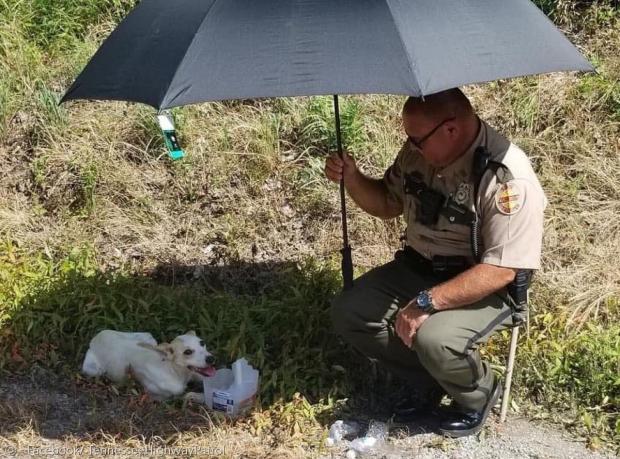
(191, 333)
(162, 348)
(166, 349)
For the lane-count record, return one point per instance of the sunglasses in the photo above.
(419, 142)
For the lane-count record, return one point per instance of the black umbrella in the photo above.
(170, 53)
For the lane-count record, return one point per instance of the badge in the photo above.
(462, 193)
(509, 198)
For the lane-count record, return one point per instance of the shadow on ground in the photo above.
(274, 314)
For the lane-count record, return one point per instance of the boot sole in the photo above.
(487, 409)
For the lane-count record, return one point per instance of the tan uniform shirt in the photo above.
(510, 214)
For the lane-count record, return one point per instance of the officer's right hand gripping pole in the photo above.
(347, 262)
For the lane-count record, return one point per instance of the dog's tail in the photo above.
(92, 366)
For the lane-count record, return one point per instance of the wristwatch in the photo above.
(424, 302)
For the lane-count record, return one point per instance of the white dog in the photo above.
(163, 369)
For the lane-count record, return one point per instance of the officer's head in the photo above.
(441, 126)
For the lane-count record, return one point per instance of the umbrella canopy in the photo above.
(171, 53)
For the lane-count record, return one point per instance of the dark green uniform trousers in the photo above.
(445, 348)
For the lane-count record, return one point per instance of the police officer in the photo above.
(474, 213)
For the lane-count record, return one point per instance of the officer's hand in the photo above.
(335, 167)
(408, 320)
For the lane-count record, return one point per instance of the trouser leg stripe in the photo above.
(472, 363)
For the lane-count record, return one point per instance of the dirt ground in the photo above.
(43, 413)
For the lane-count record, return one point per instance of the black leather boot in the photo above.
(460, 424)
(416, 405)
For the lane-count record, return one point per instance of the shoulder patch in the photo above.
(509, 198)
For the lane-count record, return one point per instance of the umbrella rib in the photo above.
(161, 104)
(409, 57)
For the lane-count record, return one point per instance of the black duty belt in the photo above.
(444, 267)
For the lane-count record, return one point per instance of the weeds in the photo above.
(52, 24)
(585, 365)
(318, 133)
(579, 14)
(52, 307)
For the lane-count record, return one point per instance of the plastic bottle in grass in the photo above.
(340, 430)
(374, 442)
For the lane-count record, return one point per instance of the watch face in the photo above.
(423, 300)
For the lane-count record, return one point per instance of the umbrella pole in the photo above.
(347, 262)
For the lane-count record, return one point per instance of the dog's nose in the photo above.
(210, 360)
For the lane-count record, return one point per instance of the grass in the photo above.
(585, 364)
(52, 307)
(55, 25)
(240, 239)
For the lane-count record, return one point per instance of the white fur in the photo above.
(163, 369)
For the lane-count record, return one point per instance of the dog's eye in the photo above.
(188, 352)
(202, 343)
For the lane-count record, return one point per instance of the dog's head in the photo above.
(187, 351)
